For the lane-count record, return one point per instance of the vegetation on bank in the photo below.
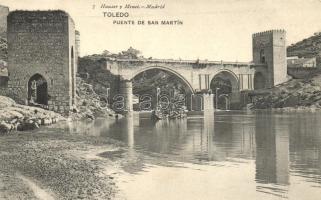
(89, 104)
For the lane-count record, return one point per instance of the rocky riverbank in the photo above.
(19, 117)
(89, 104)
(296, 94)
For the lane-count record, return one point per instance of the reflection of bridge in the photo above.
(267, 69)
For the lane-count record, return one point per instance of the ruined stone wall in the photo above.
(40, 43)
(4, 11)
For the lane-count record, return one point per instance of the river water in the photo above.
(229, 155)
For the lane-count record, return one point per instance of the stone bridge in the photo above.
(197, 75)
(267, 69)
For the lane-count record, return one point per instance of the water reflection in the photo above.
(282, 149)
(305, 147)
(272, 153)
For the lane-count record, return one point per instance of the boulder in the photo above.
(46, 121)
(5, 127)
(6, 102)
(27, 125)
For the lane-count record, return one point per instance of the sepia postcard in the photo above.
(160, 99)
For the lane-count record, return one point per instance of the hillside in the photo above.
(309, 47)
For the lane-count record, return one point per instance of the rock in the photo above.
(38, 121)
(14, 121)
(6, 102)
(46, 121)
(5, 127)
(27, 125)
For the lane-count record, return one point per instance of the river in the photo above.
(229, 155)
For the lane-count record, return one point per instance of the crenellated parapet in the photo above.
(269, 32)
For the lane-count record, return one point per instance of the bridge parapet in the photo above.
(187, 63)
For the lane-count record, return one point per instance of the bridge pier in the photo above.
(200, 102)
(126, 91)
(208, 102)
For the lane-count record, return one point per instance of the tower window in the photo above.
(262, 56)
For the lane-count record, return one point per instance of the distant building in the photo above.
(295, 62)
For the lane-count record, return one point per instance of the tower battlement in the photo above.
(269, 32)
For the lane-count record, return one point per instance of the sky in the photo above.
(212, 29)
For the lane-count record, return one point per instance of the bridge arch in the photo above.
(226, 80)
(167, 69)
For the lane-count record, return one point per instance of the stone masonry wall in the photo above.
(39, 43)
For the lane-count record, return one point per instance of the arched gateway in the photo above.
(37, 90)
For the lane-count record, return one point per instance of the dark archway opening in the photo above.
(158, 89)
(223, 85)
(37, 90)
(259, 81)
(262, 56)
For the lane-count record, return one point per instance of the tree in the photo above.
(106, 53)
(131, 53)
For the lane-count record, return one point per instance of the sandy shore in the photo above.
(45, 164)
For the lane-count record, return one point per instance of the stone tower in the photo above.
(269, 49)
(41, 59)
(4, 11)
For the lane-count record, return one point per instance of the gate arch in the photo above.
(37, 90)
(228, 79)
